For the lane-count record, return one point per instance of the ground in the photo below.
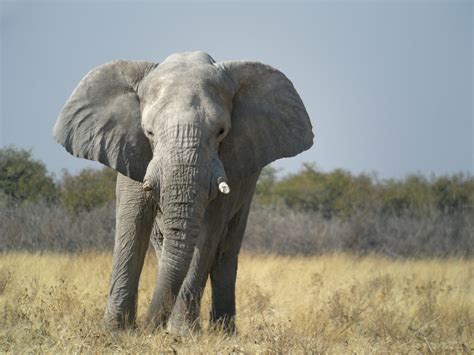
(327, 304)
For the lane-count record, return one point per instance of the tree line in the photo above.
(340, 193)
(24, 179)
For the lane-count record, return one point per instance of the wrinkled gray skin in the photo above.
(182, 126)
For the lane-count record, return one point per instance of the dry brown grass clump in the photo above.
(333, 303)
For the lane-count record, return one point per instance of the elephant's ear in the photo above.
(269, 120)
(102, 121)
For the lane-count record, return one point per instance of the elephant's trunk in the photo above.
(184, 185)
(180, 226)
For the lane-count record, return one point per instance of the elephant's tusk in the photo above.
(147, 186)
(224, 188)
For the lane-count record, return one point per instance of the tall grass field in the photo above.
(334, 303)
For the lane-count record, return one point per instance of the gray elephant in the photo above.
(188, 138)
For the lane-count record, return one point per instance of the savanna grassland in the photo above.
(327, 304)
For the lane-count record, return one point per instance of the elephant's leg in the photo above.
(134, 219)
(224, 271)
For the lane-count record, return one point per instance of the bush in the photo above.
(339, 193)
(88, 190)
(330, 194)
(286, 232)
(453, 194)
(23, 178)
(41, 227)
(44, 227)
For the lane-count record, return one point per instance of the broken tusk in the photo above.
(224, 188)
(147, 186)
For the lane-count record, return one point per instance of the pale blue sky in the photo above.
(388, 84)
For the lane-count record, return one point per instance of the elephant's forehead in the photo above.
(176, 74)
(187, 83)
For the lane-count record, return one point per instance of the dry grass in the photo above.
(332, 303)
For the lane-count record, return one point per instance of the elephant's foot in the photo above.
(118, 321)
(158, 314)
(225, 324)
(184, 318)
(183, 327)
(173, 325)
(156, 321)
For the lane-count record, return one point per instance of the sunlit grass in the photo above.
(331, 303)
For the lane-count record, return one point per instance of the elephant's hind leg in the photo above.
(134, 220)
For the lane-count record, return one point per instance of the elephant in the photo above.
(188, 138)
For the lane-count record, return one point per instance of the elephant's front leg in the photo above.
(134, 220)
(224, 272)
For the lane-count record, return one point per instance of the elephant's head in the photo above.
(187, 128)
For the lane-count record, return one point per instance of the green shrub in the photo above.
(264, 193)
(339, 193)
(335, 193)
(453, 194)
(88, 190)
(23, 178)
